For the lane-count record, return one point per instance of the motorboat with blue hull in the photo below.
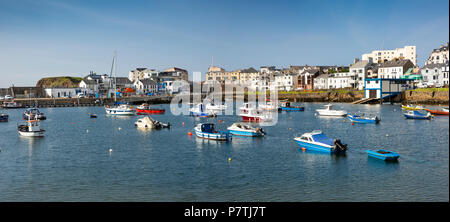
(3, 117)
(363, 118)
(286, 106)
(414, 114)
(207, 131)
(381, 154)
(317, 141)
(241, 129)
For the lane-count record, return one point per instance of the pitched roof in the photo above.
(147, 82)
(249, 70)
(437, 65)
(396, 63)
(123, 81)
(89, 82)
(359, 64)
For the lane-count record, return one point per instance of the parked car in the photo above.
(81, 95)
(9, 97)
(2, 97)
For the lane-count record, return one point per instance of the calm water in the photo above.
(73, 163)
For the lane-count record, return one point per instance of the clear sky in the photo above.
(44, 38)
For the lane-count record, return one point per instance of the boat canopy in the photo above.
(208, 127)
(417, 113)
(322, 138)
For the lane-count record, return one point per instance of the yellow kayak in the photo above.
(410, 107)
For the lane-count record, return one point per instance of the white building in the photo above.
(321, 82)
(341, 80)
(65, 92)
(176, 86)
(380, 56)
(394, 69)
(358, 70)
(435, 74)
(439, 55)
(142, 73)
(144, 86)
(285, 82)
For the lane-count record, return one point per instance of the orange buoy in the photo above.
(220, 120)
(182, 123)
(189, 133)
(303, 148)
(73, 123)
(353, 123)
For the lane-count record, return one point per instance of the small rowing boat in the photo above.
(383, 154)
(3, 117)
(412, 107)
(443, 111)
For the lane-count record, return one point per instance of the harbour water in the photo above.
(73, 162)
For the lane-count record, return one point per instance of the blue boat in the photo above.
(363, 118)
(383, 154)
(317, 141)
(241, 129)
(286, 106)
(3, 117)
(414, 114)
(207, 131)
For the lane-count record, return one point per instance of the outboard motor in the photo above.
(261, 130)
(339, 146)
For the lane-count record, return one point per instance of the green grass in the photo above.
(430, 90)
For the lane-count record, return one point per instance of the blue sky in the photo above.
(44, 38)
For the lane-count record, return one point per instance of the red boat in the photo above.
(438, 112)
(254, 115)
(145, 109)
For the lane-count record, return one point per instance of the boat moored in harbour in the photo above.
(31, 129)
(412, 107)
(329, 111)
(286, 106)
(414, 114)
(122, 109)
(253, 115)
(442, 111)
(383, 154)
(242, 129)
(145, 108)
(207, 131)
(317, 141)
(33, 113)
(363, 118)
(149, 123)
(199, 110)
(11, 105)
(3, 117)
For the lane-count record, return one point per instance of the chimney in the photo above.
(356, 60)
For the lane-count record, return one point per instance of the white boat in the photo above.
(270, 106)
(254, 115)
(11, 105)
(149, 123)
(241, 129)
(246, 106)
(122, 109)
(200, 110)
(32, 129)
(215, 107)
(329, 111)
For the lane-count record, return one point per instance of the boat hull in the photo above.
(392, 156)
(316, 147)
(416, 117)
(331, 113)
(411, 108)
(438, 112)
(212, 136)
(283, 108)
(119, 112)
(150, 111)
(252, 119)
(32, 134)
(362, 120)
(245, 133)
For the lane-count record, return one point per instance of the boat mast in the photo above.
(115, 76)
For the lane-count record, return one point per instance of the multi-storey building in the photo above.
(381, 56)
(438, 56)
(394, 69)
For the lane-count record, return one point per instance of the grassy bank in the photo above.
(430, 90)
